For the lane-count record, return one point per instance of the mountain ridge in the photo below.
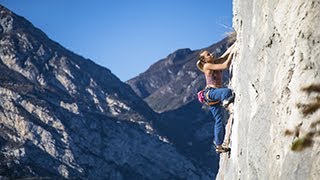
(175, 72)
(63, 116)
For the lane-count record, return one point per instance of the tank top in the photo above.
(214, 78)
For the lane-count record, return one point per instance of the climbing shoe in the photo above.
(222, 149)
(226, 102)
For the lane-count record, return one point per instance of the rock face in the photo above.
(63, 116)
(278, 53)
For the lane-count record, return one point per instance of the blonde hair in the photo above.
(200, 61)
(200, 65)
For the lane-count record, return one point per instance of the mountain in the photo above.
(63, 116)
(170, 88)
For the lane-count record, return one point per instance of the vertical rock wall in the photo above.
(278, 46)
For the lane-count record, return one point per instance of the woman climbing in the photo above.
(215, 95)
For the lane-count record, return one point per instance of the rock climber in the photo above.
(214, 94)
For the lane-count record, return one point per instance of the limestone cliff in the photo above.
(278, 49)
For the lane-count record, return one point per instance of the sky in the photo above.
(128, 36)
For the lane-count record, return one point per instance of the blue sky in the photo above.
(127, 36)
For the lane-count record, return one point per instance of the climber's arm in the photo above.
(228, 51)
(224, 65)
(225, 55)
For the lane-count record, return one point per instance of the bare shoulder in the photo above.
(209, 67)
(206, 66)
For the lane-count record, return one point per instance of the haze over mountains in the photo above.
(62, 115)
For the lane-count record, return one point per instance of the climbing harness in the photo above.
(209, 101)
(203, 97)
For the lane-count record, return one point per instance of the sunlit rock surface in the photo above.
(278, 46)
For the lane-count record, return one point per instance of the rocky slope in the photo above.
(278, 54)
(62, 116)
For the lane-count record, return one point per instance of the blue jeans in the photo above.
(219, 112)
